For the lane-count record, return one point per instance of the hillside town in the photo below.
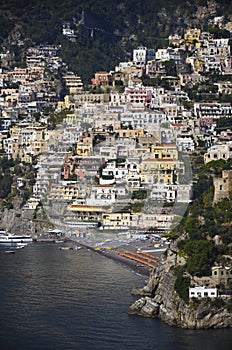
(116, 155)
(134, 165)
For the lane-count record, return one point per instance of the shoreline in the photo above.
(110, 251)
(130, 253)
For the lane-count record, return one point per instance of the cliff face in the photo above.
(159, 300)
(24, 221)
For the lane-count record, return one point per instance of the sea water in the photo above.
(67, 299)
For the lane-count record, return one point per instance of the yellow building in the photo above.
(68, 103)
(192, 35)
(147, 140)
(11, 100)
(162, 171)
(115, 221)
(39, 132)
(72, 118)
(199, 65)
(87, 214)
(38, 147)
(162, 165)
(163, 151)
(127, 133)
(27, 142)
(84, 147)
(83, 150)
(14, 131)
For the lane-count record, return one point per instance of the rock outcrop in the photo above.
(21, 221)
(160, 300)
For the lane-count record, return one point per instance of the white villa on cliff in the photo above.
(203, 292)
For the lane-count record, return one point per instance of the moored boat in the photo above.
(20, 245)
(66, 248)
(9, 239)
(59, 241)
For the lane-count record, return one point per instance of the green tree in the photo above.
(182, 284)
(170, 67)
(200, 255)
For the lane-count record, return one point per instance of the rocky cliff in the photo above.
(21, 221)
(160, 300)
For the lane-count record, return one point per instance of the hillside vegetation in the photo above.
(106, 30)
(206, 226)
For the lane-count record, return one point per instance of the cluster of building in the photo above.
(120, 161)
(114, 175)
(27, 95)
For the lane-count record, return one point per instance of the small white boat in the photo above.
(59, 241)
(66, 248)
(20, 245)
(9, 252)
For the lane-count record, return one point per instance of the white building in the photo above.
(118, 171)
(203, 292)
(185, 144)
(162, 54)
(142, 119)
(103, 195)
(139, 55)
(216, 152)
(212, 110)
(163, 192)
(175, 54)
(161, 222)
(180, 193)
(213, 64)
(123, 66)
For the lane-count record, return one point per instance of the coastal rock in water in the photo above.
(159, 299)
(145, 307)
(148, 289)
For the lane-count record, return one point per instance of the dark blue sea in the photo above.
(56, 299)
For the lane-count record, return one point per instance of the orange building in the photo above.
(101, 78)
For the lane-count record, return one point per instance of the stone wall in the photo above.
(222, 185)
